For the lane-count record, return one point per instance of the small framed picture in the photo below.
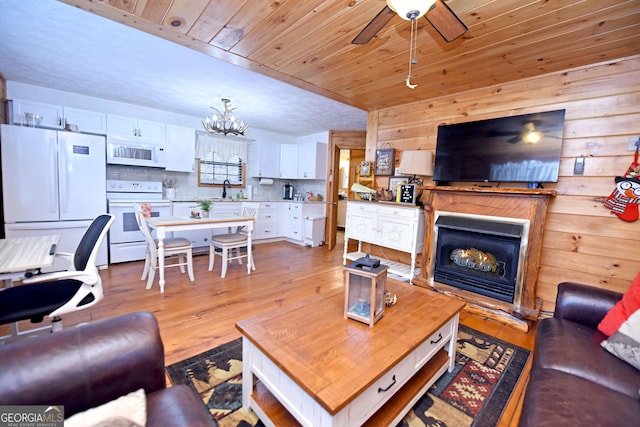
(408, 193)
(385, 162)
(394, 182)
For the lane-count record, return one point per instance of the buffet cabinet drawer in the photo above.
(396, 212)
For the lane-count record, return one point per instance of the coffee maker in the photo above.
(287, 191)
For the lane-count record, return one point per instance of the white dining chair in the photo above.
(224, 245)
(179, 246)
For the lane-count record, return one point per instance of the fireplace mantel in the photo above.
(521, 203)
(488, 190)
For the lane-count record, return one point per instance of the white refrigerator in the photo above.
(53, 182)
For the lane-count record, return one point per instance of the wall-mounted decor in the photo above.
(625, 198)
(365, 168)
(385, 161)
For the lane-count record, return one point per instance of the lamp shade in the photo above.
(410, 9)
(416, 162)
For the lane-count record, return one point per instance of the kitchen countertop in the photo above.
(219, 200)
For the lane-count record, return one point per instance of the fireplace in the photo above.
(488, 214)
(480, 254)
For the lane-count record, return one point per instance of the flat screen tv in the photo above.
(523, 148)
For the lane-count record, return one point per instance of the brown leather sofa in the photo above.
(92, 364)
(574, 381)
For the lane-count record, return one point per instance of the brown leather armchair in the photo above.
(92, 364)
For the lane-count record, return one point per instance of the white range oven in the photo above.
(126, 241)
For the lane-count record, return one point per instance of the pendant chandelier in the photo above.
(411, 10)
(224, 123)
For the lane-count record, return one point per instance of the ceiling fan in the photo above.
(438, 13)
(529, 134)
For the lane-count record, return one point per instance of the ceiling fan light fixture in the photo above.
(531, 137)
(410, 10)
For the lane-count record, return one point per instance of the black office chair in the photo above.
(62, 292)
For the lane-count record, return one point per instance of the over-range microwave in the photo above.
(135, 153)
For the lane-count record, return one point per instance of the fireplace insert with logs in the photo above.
(478, 256)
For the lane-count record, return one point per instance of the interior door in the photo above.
(338, 140)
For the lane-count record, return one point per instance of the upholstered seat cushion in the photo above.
(555, 398)
(175, 242)
(573, 348)
(230, 238)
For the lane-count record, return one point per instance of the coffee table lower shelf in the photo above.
(269, 409)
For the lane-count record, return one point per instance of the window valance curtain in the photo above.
(226, 148)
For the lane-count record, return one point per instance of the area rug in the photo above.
(474, 394)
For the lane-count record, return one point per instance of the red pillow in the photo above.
(620, 312)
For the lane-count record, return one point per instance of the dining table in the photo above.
(166, 224)
(21, 256)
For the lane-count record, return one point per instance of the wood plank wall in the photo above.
(582, 240)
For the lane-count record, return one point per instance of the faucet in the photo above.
(224, 188)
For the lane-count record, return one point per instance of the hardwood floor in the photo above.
(197, 316)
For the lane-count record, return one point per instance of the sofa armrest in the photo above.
(84, 366)
(584, 304)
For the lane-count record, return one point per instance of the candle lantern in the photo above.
(364, 290)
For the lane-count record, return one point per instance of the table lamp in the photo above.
(416, 163)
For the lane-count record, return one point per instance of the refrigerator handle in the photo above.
(63, 175)
(53, 176)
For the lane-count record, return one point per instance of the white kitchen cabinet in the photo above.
(294, 216)
(180, 149)
(86, 120)
(288, 161)
(312, 160)
(132, 128)
(266, 226)
(51, 115)
(294, 229)
(388, 225)
(264, 159)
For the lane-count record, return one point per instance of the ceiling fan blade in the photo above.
(374, 26)
(445, 21)
(499, 133)
(514, 140)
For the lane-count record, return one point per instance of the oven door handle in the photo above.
(130, 204)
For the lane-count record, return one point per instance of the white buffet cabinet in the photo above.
(390, 225)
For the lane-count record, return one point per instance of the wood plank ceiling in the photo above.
(308, 43)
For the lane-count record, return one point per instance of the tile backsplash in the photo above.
(187, 183)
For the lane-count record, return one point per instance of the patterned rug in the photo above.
(474, 394)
